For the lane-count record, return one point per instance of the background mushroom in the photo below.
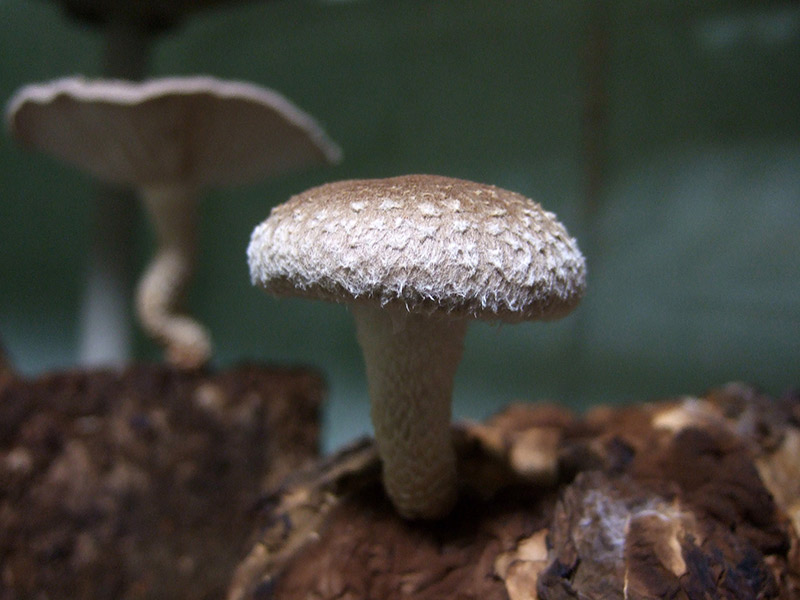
(416, 257)
(129, 30)
(169, 137)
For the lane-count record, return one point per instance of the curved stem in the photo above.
(161, 290)
(411, 361)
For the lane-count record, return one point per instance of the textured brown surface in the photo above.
(683, 499)
(422, 242)
(141, 483)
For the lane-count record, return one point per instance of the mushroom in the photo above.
(129, 30)
(415, 258)
(169, 138)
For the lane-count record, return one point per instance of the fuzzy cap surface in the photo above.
(425, 242)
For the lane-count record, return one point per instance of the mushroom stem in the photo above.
(161, 289)
(127, 48)
(105, 331)
(411, 360)
(105, 320)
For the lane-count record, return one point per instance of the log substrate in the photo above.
(692, 498)
(152, 483)
(142, 483)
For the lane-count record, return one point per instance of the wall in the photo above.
(666, 135)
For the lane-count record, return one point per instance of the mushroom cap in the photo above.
(148, 14)
(193, 130)
(425, 242)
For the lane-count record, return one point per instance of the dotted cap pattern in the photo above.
(429, 243)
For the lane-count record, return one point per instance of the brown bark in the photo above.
(142, 483)
(684, 499)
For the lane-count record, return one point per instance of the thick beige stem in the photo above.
(162, 287)
(411, 361)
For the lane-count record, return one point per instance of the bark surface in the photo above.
(142, 483)
(691, 498)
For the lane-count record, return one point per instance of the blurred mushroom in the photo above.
(148, 15)
(415, 258)
(169, 138)
(129, 30)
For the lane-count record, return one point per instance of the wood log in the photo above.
(697, 497)
(141, 483)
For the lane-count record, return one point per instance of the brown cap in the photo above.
(193, 130)
(430, 243)
(147, 14)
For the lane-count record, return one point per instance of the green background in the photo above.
(665, 135)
